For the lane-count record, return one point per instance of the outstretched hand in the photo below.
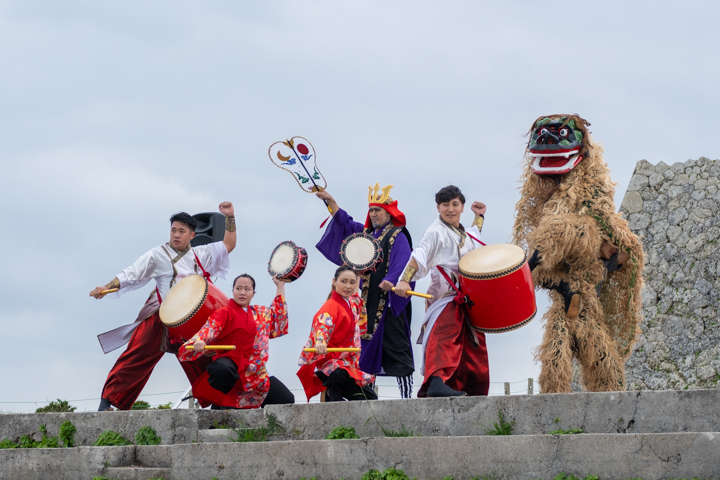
(96, 293)
(226, 208)
(402, 288)
(479, 208)
(386, 285)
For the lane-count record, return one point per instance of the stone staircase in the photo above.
(628, 435)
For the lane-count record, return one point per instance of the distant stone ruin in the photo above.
(674, 211)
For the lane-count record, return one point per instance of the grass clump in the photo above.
(258, 434)
(501, 427)
(147, 436)
(562, 476)
(56, 407)
(569, 431)
(110, 438)
(66, 438)
(342, 433)
(387, 474)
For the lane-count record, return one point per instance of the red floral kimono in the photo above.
(249, 331)
(335, 324)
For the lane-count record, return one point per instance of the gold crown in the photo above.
(373, 196)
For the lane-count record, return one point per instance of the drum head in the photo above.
(360, 251)
(283, 259)
(183, 300)
(492, 261)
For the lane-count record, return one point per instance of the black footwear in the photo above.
(534, 261)
(105, 405)
(572, 300)
(437, 388)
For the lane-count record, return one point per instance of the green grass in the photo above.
(570, 431)
(501, 427)
(342, 433)
(110, 438)
(54, 407)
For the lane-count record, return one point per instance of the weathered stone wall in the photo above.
(674, 210)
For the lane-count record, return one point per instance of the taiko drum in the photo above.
(287, 261)
(497, 279)
(188, 304)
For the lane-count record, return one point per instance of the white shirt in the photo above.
(438, 247)
(157, 264)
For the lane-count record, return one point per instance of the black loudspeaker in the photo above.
(210, 228)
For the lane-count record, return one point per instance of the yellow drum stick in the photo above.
(105, 292)
(214, 347)
(417, 294)
(333, 350)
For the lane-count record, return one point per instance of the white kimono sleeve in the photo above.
(136, 275)
(215, 258)
(425, 253)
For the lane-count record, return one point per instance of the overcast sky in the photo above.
(113, 116)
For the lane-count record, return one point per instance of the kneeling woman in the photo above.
(336, 326)
(238, 378)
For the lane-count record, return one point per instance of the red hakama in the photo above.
(450, 355)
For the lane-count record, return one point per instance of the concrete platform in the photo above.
(648, 435)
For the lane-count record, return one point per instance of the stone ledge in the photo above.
(613, 412)
(610, 456)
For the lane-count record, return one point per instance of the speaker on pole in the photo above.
(210, 228)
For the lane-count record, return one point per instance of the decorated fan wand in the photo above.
(297, 156)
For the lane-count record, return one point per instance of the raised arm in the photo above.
(278, 311)
(479, 210)
(332, 204)
(230, 238)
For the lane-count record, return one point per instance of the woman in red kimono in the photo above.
(336, 326)
(238, 378)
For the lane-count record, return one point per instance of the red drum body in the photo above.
(361, 252)
(498, 281)
(287, 261)
(188, 304)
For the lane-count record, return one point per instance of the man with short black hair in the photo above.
(455, 360)
(166, 264)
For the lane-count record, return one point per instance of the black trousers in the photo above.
(278, 394)
(223, 374)
(341, 386)
(397, 354)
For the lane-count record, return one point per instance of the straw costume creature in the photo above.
(583, 252)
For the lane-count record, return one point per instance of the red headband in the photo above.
(397, 216)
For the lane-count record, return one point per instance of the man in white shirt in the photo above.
(455, 360)
(166, 264)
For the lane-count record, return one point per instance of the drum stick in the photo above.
(313, 350)
(417, 294)
(214, 347)
(111, 290)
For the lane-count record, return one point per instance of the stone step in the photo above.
(517, 457)
(136, 473)
(616, 412)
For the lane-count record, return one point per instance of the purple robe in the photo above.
(342, 226)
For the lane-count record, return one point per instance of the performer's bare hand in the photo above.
(226, 208)
(320, 348)
(402, 288)
(96, 292)
(479, 208)
(279, 281)
(324, 195)
(385, 285)
(607, 250)
(199, 346)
